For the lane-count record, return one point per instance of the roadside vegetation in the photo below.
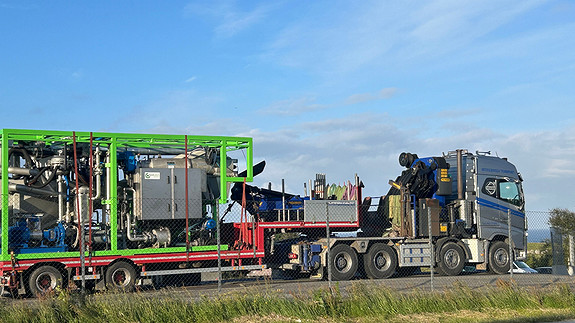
(361, 303)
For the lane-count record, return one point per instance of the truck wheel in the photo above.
(499, 260)
(452, 259)
(380, 261)
(121, 276)
(44, 279)
(343, 261)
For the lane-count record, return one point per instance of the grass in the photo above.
(362, 303)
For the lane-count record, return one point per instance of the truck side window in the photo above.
(503, 190)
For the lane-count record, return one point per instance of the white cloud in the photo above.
(376, 34)
(191, 79)
(229, 18)
(77, 74)
(385, 93)
(293, 107)
(369, 144)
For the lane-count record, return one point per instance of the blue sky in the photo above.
(340, 87)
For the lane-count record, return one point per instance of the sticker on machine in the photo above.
(151, 175)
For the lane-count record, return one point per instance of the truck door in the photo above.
(496, 197)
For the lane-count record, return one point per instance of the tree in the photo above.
(563, 220)
(543, 257)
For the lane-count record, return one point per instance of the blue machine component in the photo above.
(310, 256)
(210, 224)
(266, 202)
(292, 202)
(431, 175)
(27, 237)
(127, 159)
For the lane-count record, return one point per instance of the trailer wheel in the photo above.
(343, 261)
(452, 259)
(499, 260)
(121, 276)
(380, 261)
(44, 279)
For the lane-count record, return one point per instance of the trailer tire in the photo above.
(121, 276)
(499, 259)
(452, 259)
(44, 279)
(343, 262)
(380, 261)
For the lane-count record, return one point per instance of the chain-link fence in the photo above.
(118, 212)
(160, 242)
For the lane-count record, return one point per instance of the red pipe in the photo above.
(187, 206)
(76, 179)
(90, 211)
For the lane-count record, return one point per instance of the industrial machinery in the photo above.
(108, 210)
(106, 197)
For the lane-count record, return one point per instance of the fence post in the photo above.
(219, 249)
(328, 244)
(511, 258)
(431, 248)
(571, 268)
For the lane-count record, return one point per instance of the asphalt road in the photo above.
(403, 284)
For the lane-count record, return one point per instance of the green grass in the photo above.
(362, 302)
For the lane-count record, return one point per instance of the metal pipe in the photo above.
(145, 237)
(283, 200)
(108, 185)
(19, 188)
(431, 247)
(83, 196)
(460, 192)
(135, 238)
(61, 201)
(98, 172)
(511, 257)
(23, 171)
(187, 201)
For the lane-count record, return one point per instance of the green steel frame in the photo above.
(115, 141)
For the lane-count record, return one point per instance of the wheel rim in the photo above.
(46, 281)
(501, 257)
(382, 261)
(121, 277)
(451, 259)
(342, 262)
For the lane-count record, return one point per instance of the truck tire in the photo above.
(343, 262)
(44, 279)
(120, 276)
(452, 259)
(380, 261)
(499, 259)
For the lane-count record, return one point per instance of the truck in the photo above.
(103, 210)
(446, 211)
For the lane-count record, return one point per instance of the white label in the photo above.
(151, 175)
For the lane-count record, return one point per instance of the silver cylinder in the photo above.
(460, 192)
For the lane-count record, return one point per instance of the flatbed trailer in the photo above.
(109, 190)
